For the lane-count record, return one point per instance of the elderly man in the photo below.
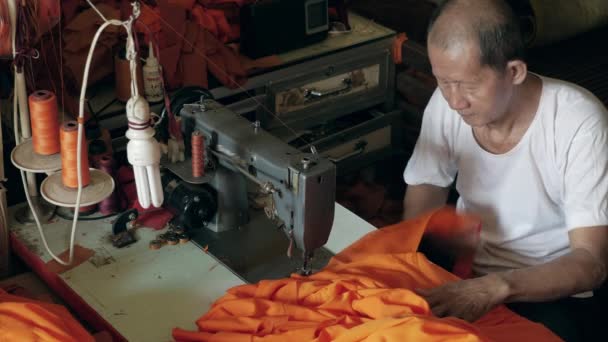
(531, 155)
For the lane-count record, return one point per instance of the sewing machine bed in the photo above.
(257, 250)
(141, 294)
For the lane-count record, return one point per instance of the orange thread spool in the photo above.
(198, 154)
(69, 137)
(44, 117)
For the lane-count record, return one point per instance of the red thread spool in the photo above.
(69, 136)
(198, 154)
(44, 117)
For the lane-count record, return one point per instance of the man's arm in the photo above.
(582, 269)
(423, 198)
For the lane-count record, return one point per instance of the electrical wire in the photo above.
(61, 70)
(15, 111)
(13, 21)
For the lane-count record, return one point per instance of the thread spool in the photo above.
(98, 138)
(87, 210)
(97, 149)
(69, 137)
(44, 117)
(198, 154)
(111, 204)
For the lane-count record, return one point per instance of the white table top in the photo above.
(145, 293)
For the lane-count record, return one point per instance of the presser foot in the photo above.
(306, 269)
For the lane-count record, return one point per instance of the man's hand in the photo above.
(466, 299)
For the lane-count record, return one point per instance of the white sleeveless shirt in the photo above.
(554, 180)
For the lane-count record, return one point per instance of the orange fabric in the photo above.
(463, 265)
(77, 38)
(185, 4)
(193, 46)
(214, 21)
(148, 22)
(364, 294)
(398, 47)
(24, 320)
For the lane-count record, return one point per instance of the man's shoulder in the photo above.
(572, 106)
(568, 96)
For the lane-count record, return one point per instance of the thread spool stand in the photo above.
(24, 158)
(52, 189)
(100, 187)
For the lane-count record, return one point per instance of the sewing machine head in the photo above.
(300, 186)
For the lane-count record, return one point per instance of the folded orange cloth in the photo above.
(364, 294)
(24, 320)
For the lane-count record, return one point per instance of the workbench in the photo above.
(135, 293)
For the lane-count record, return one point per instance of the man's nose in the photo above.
(457, 101)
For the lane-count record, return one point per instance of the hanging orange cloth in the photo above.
(24, 320)
(364, 294)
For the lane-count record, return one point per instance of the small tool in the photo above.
(123, 227)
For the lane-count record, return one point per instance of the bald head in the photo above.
(487, 25)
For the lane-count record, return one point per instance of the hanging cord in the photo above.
(128, 26)
(21, 123)
(27, 27)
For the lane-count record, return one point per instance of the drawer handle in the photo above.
(359, 149)
(313, 94)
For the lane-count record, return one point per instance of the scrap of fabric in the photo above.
(364, 294)
(23, 319)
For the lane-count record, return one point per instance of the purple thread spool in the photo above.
(111, 204)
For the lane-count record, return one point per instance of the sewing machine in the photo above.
(119, 288)
(295, 189)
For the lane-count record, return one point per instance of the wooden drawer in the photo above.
(332, 88)
(367, 143)
(335, 88)
(351, 141)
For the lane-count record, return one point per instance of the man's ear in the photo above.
(518, 70)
